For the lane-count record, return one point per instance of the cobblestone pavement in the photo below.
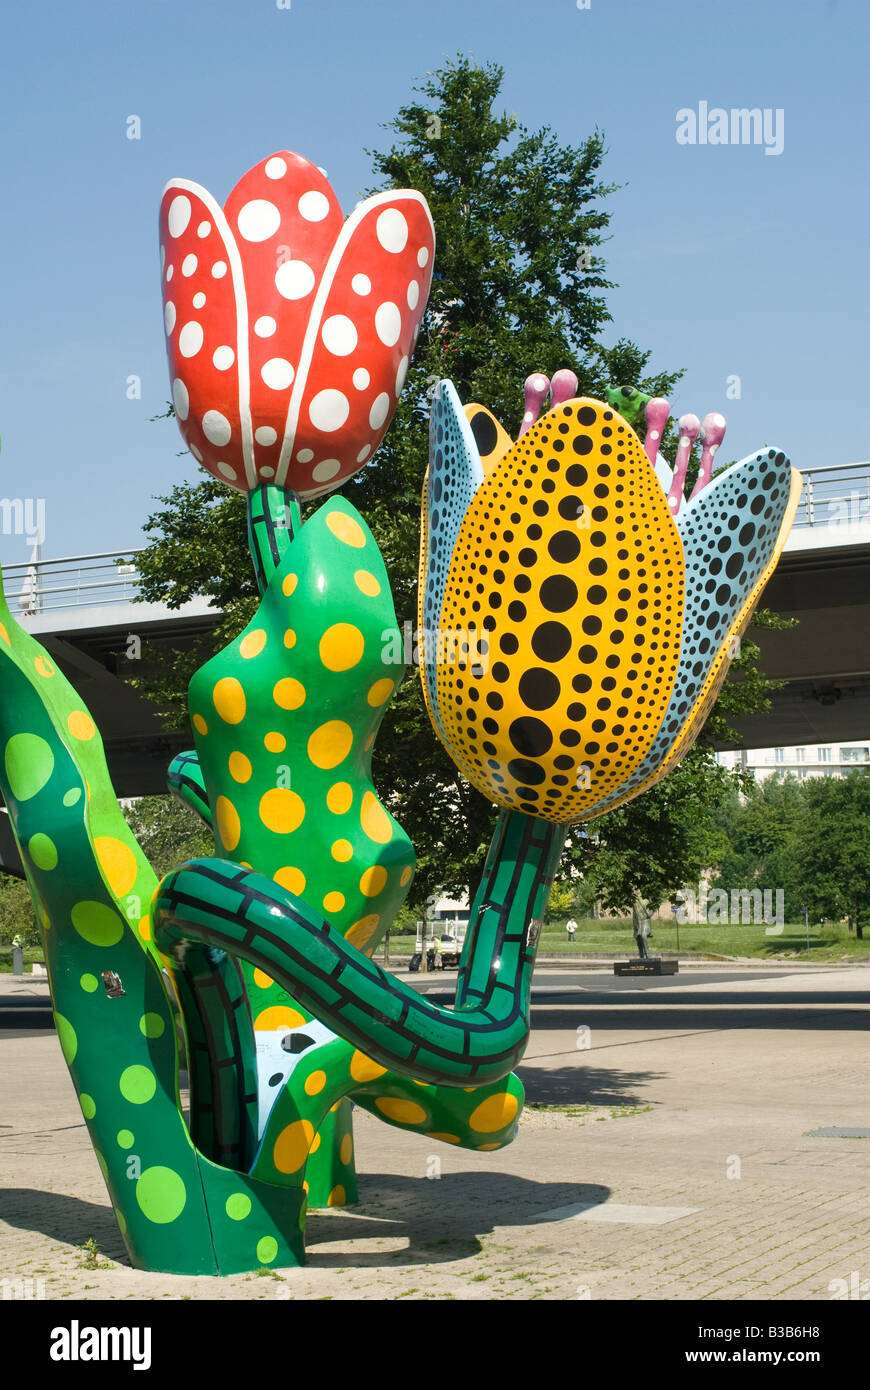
(701, 1104)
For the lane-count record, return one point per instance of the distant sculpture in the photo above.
(641, 926)
(577, 618)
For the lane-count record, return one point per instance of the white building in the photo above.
(811, 760)
(451, 914)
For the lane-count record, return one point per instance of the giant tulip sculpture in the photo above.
(289, 330)
(585, 612)
(288, 335)
(578, 615)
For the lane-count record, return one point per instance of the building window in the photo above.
(825, 755)
(854, 755)
(800, 755)
(780, 755)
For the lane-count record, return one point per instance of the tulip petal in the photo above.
(580, 604)
(205, 313)
(732, 533)
(359, 337)
(492, 440)
(452, 478)
(285, 219)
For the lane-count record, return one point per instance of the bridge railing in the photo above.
(836, 494)
(72, 582)
(833, 494)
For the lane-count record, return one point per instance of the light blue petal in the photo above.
(729, 533)
(455, 473)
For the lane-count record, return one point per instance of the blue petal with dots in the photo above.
(729, 533)
(455, 473)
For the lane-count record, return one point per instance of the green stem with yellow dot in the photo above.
(91, 886)
(210, 906)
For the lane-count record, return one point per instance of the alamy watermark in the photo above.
(854, 1287)
(853, 510)
(23, 516)
(738, 126)
(435, 646)
(22, 1288)
(742, 906)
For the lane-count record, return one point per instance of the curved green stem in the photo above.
(91, 885)
(187, 784)
(214, 905)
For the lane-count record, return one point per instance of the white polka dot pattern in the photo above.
(289, 325)
(360, 339)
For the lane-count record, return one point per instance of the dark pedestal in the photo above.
(653, 965)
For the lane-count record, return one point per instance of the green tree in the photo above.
(562, 900)
(760, 840)
(17, 915)
(659, 843)
(519, 286)
(833, 848)
(168, 832)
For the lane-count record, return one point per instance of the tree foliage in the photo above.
(168, 832)
(17, 911)
(659, 843)
(832, 848)
(810, 839)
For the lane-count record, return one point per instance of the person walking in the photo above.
(571, 929)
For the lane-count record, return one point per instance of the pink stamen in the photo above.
(689, 426)
(712, 434)
(656, 413)
(536, 389)
(563, 387)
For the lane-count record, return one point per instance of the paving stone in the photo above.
(794, 1221)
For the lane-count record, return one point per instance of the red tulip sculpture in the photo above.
(289, 330)
(289, 333)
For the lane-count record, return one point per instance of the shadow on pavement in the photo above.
(472, 1204)
(68, 1220)
(415, 1208)
(583, 1085)
(655, 1012)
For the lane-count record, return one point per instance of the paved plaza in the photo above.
(667, 1153)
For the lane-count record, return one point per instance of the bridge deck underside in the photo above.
(825, 662)
(826, 659)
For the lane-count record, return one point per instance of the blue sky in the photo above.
(729, 261)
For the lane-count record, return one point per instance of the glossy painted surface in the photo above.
(91, 887)
(289, 331)
(582, 631)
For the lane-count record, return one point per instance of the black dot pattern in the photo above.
(492, 440)
(572, 536)
(454, 473)
(732, 534)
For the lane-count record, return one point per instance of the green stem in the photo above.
(274, 518)
(212, 904)
(91, 885)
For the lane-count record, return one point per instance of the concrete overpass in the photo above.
(823, 580)
(83, 610)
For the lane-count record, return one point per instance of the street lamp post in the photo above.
(807, 926)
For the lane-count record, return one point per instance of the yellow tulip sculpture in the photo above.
(578, 614)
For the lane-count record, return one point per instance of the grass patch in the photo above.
(31, 954)
(90, 1257)
(575, 1112)
(828, 942)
